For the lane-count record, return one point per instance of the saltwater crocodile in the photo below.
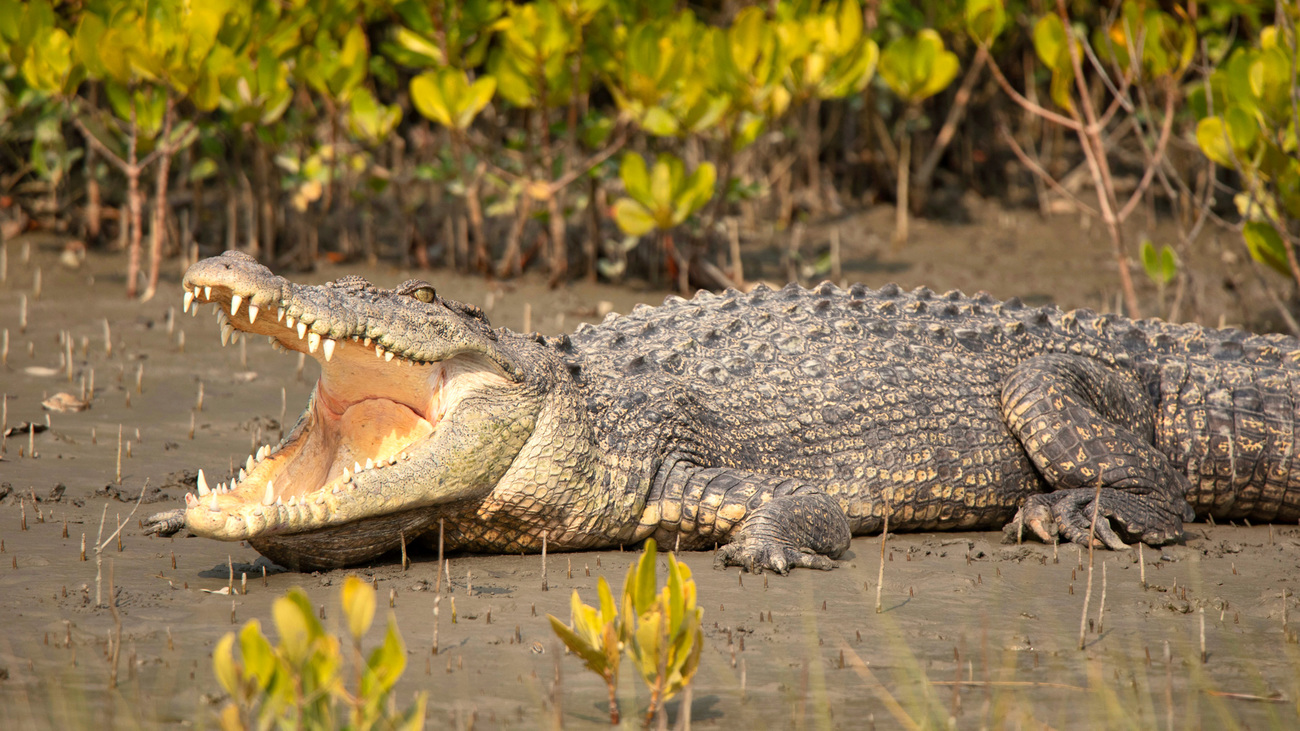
(776, 423)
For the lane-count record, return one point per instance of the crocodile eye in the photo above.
(424, 294)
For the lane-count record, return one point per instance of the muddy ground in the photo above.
(971, 629)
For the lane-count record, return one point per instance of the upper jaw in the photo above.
(316, 319)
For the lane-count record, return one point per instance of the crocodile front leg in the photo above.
(766, 521)
(1088, 426)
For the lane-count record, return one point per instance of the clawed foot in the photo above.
(165, 524)
(756, 556)
(1067, 514)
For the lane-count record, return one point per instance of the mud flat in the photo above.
(972, 629)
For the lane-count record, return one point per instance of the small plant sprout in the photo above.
(300, 681)
(659, 629)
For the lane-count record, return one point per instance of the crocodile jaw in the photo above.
(370, 430)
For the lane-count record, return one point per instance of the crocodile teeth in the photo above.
(288, 321)
(261, 452)
(346, 475)
(388, 356)
(370, 463)
(227, 331)
(269, 497)
(279, 314)
(379, 351)
(302, 330)
(213, 505)
(242, 475)
(203, 485)
(367, 342)
(207, 293)
(249, 464)
(187, 301)
(313, 341)
(293, 500)
(392, 459)
(356, 467)
(252, 313)
(335, 490)
(329, 349)
(235, 302)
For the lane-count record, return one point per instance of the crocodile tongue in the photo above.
(374, 428)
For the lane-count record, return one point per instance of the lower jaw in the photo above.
(346, 544)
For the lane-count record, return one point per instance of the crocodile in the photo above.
(771, 425)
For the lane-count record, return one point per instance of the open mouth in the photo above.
(373, 407)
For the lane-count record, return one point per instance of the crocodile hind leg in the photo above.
(766, 521)
(1086, 424)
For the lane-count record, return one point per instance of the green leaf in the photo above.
(1266, 246)
(386, 664)
(1161, 264)
(358, 606)
(919, 67)
(696, 192)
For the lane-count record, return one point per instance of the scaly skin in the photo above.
(775, 423)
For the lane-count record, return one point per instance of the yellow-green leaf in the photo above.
(358, 605)
(428, 98)
(985, 20)
(636, 180)
(223, 664)
(632, 217)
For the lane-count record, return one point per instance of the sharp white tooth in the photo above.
(346, 475)
(288, 321)
(269, 497)
(392, 459)
(388, 356)
(335, 490)
(214, 501)
(235, 302)
(279, 502)
(227, 330)
(293, 500)
(370, 463)
(356, 467)
(207, 293)
(367, 342)
(187, 301)
(252, 312)
(242, 475)
(302, 330)
(261, 452)
(279, 314)
(203, 485)
(249, 464)
(379, 351)
(194, 311)
(313, 342)
(329, 349)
